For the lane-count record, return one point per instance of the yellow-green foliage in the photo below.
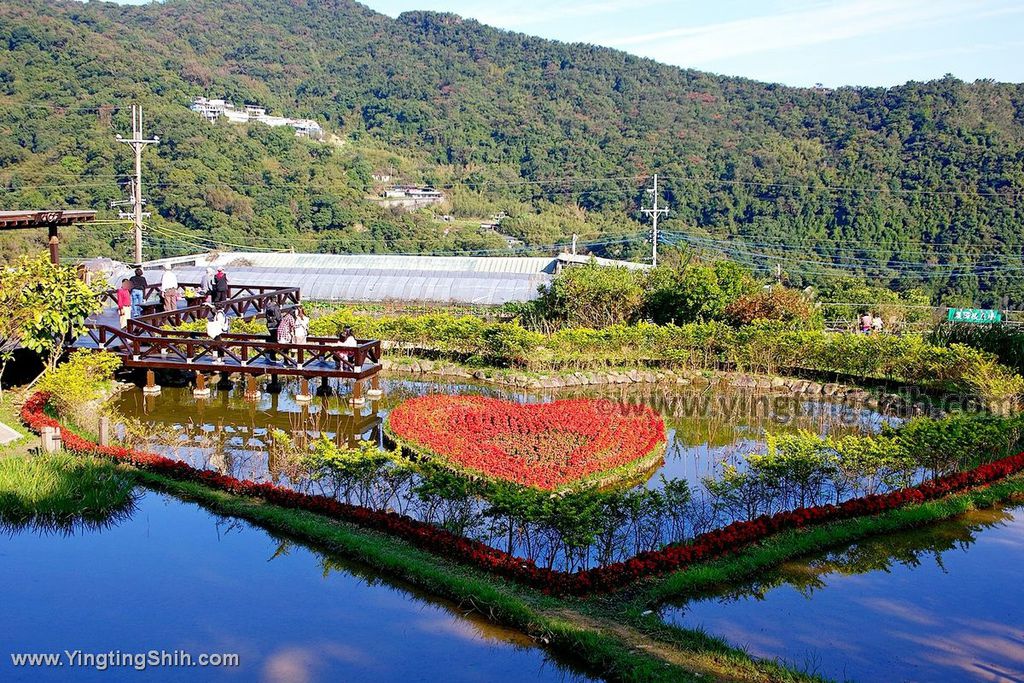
(76, 385)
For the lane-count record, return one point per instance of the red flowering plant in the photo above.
(549, 446)
(704, 547)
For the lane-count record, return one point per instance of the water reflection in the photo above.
(233, 435)
(941, 603)
(704, 428)
(177, 577)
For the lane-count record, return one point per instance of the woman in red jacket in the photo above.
(124, 302)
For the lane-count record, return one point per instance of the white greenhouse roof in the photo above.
(384, 277)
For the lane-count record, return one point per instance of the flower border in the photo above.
(707, 546)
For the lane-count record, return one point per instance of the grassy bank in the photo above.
(703, 578)
(60, 491)
(609, 635)
(582, 632)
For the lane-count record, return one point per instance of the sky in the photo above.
(796, 42)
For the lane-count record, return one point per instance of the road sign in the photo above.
(974, 315)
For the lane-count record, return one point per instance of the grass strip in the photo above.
(58, 491)
(548, 620)
(788, 545)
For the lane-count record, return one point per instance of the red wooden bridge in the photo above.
(144, 343)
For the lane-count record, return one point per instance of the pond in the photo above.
(941, 603)
(704, 429)
(175, 577)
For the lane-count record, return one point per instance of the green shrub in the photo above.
(777, 303)
(764, 346)
(77, 386)
(1006, 342)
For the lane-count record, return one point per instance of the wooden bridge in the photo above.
(144, 343)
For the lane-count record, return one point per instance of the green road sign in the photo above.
(974, 315)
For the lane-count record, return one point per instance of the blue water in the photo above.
(176, 577)
(945, 603)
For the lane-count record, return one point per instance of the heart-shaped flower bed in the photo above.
(546, 445)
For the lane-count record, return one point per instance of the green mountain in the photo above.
(917, 185)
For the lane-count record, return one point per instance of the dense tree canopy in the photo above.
(913, 186)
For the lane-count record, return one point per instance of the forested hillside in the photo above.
(918, 185)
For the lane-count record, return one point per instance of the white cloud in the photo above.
(533, 14)
(944, 52)
(810, 25)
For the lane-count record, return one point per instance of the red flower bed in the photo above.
(704, 547)
(546, 445)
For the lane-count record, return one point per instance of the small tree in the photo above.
(41, 305)
(777, 303)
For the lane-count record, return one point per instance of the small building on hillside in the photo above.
(410, 196)
(213, 109)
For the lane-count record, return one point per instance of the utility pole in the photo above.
(138, 143)
(653, 212)
(574, 238)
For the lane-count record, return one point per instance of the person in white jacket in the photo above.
(169, 288)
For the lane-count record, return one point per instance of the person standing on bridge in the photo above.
(220, 286)
(206, 285)
(125, 294)
(272, 314)
(301, 325)
(216, 325)
(286, 334)
(169, 288)
(138, 291)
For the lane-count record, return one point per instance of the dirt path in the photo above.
(706, 665)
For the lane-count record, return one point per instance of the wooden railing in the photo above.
(243, 304)
(319, 356)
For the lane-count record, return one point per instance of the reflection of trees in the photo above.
(910, 548)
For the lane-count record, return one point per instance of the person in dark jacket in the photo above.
(272, 314)
(138, 291)
(220, 286)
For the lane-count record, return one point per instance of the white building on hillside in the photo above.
(211, 110)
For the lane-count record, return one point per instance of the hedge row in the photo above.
(760, 347)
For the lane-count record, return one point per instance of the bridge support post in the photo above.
(325, 388)
(374, 392)
(104, 430)
(225, 383)
(356, 397)
(252, 390)
(303, 396)
(50, 439)
(151, 388)
(274, 385)
(201, 390)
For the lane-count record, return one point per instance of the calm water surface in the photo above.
(176, 577)
(228, 433)
(944, 603)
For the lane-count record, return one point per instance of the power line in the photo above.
(843, 188)
(915, 269)
(210, 243)
(856, 259)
